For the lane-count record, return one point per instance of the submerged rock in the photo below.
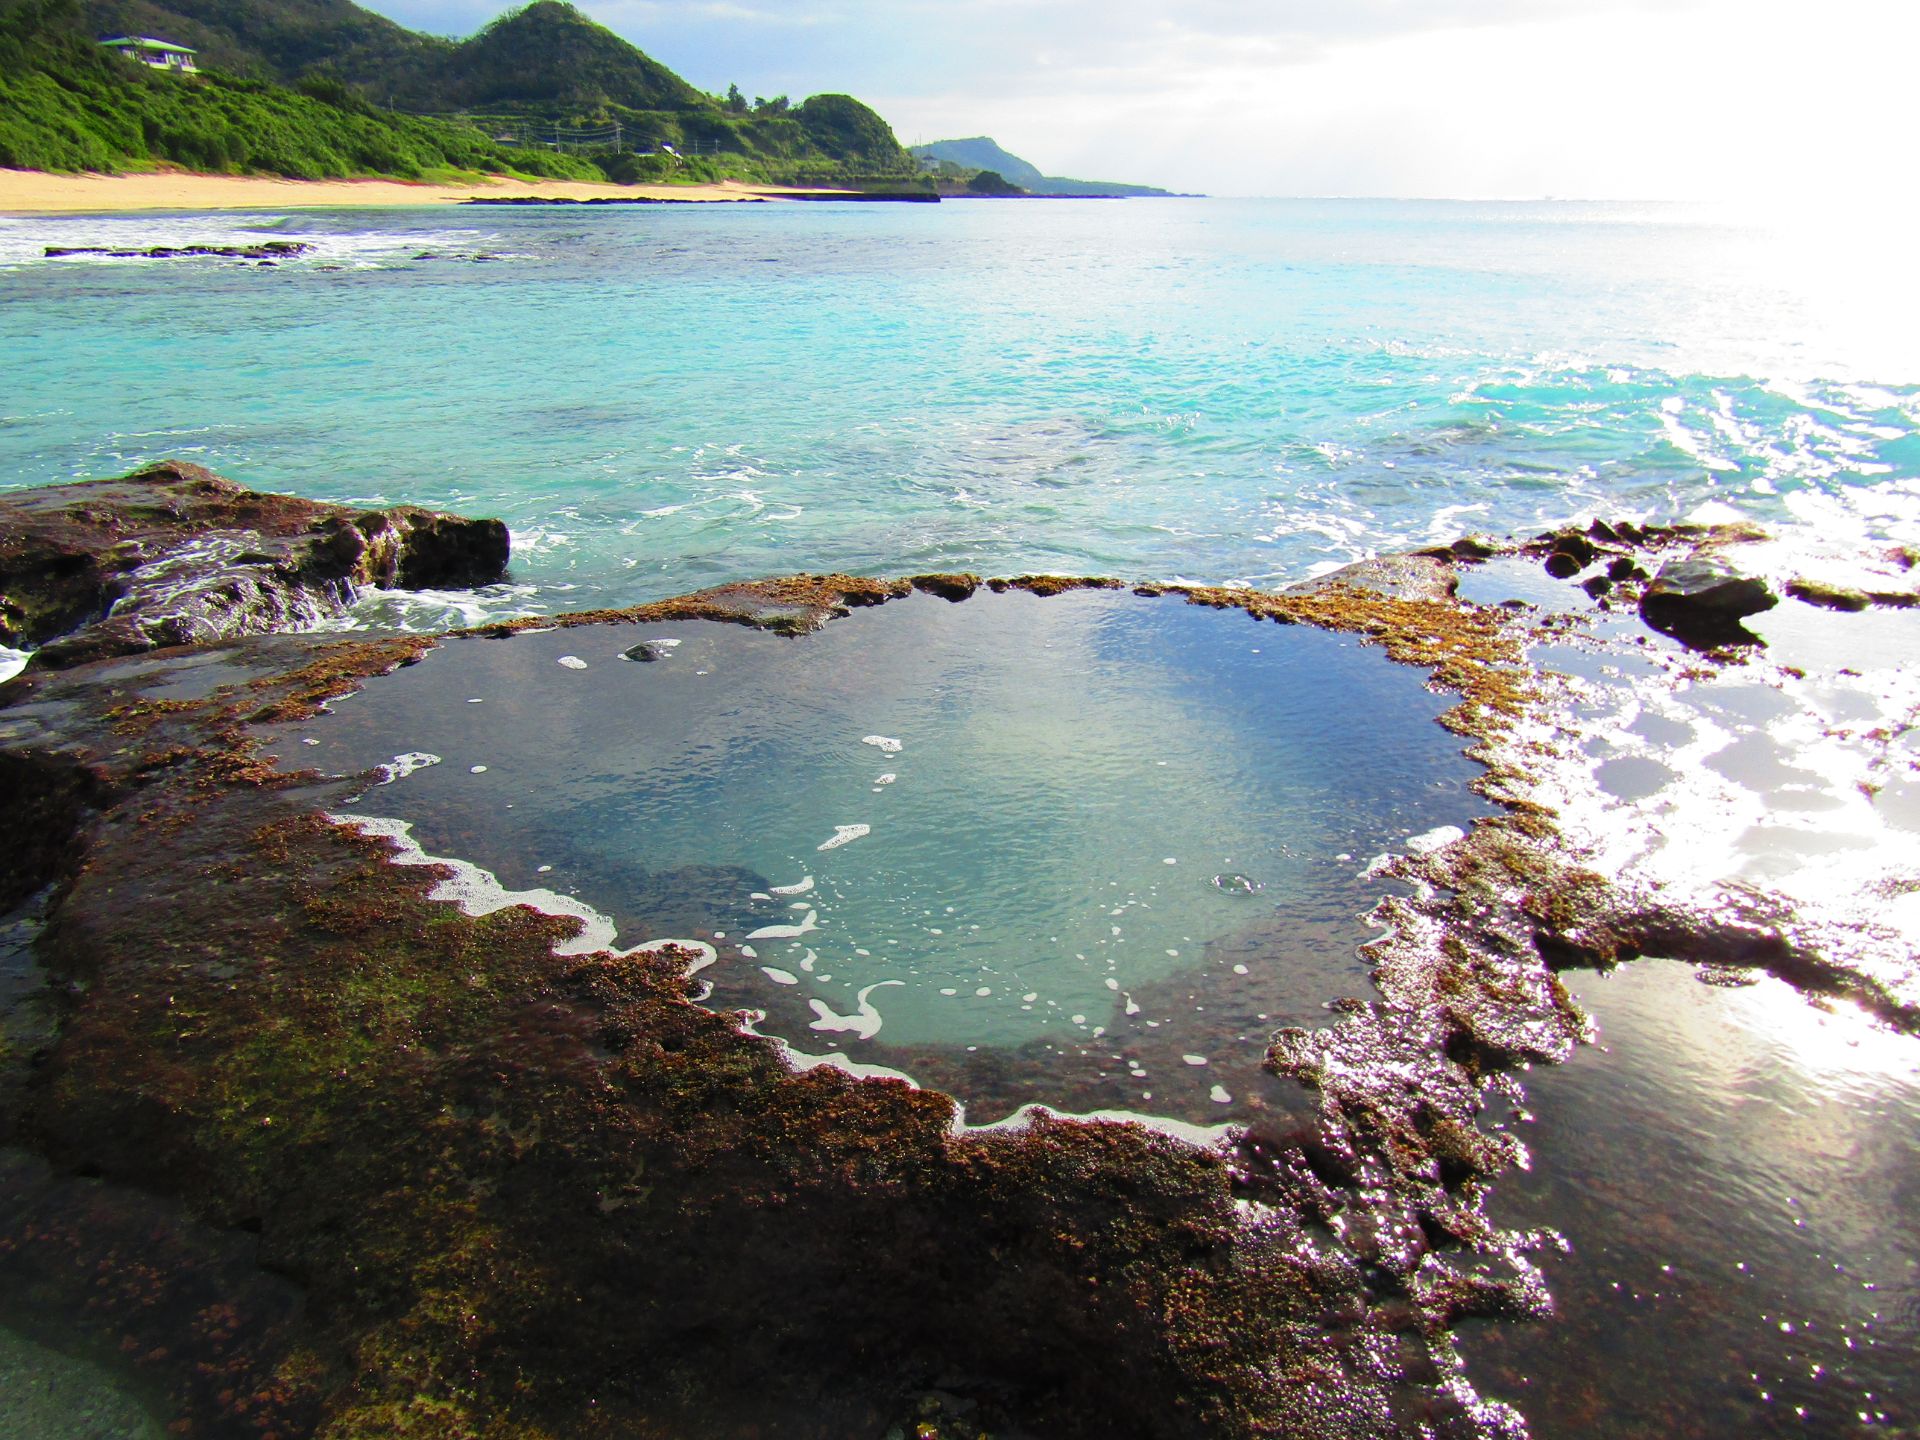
(175, 554)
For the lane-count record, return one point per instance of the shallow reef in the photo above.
(305, 1150)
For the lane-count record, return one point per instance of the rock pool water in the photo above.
(1087, 850)
(1736, 1172)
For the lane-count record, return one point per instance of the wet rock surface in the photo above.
(176, 555)
(1703, 597)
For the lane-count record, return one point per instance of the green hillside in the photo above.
(981, 154)
(66, 104)
(543, 77)
(550, 56)
(277, 39)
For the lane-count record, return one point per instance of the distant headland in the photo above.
(979, 166)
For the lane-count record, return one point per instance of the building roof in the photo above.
(147, 42)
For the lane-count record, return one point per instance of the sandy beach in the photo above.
(39, 192)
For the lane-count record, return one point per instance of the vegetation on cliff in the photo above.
(66, 104)
(321, 88)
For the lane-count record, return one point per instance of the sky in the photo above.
(1763, 102)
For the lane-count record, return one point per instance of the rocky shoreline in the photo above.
(175, 555)
(461, 1184)
(267, 253)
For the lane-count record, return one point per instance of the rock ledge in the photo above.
(175, 554)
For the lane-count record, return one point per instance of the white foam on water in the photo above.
(864, 1022)
(1205, 1137)
(787, 932)
(478, 892)
(808, 961)
(845, 834)
(886, 779)
(1219, 1095)
(799, 887)
(801, 1062)
(402, 766)
(779, 976)
(885, 744)
(426, 612)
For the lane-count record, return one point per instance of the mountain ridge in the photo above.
(979, 152)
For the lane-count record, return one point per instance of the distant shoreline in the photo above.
(35, 192)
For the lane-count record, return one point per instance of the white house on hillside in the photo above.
(160, 54)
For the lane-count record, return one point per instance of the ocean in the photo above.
(662, 398)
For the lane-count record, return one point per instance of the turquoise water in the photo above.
(1116, 840)
(658, 399)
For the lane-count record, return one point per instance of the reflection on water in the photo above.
(1783, 778)
(1737, 1172)
(977, 842)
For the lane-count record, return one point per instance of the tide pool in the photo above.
(1086, 850)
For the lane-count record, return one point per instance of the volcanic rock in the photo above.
(1701, 599)
(175, 555)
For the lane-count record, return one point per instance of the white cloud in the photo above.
(1712, 101)
(1642, 98)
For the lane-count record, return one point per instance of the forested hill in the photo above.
(549, 53)
(544, 53)
(279, 40)
(68, 104)
(543, 73)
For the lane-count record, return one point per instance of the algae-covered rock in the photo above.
(176, 555)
